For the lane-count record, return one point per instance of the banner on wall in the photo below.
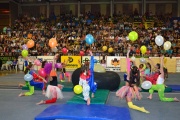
(178, 65)
(5, 58)
(87, 58)
(72, 62)
(113, 63)
(45, 58)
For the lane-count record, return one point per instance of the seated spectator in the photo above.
(7, 65)
(14, 64)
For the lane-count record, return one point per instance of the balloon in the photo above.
(142, 60)
(24, 53)
(159, 40)
(89, 39)
(30, 44)
(28, 77)
(167, 45)
(146, 85)
(110, 50)
(52, 43)
(78, 89)
(104, 48)
(133, 58)
(54, 49)
(99, 68)
(81, 53)
(64, 50)
(25, 47)
(37, 62)
(133, 36)
(42, 73)
(143, 49)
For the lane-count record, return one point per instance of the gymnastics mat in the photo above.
(67, 87)
(84, 112)
(100, 97)
(174, 87)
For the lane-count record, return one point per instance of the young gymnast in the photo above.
(35, 81)
(130, 90)
(87, 80)
(54, 89)
(160, 87)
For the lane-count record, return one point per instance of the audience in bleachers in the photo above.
(70, 32)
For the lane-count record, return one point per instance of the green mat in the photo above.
(68, 86)
(100, 98)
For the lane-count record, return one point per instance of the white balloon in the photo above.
(133, 58)
(159, 40)
(167, 45)
(142, 60)
(146, 85)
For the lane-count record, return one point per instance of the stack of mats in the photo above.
(100, 98)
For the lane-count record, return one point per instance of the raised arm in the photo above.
(162, 67)
(128, 64)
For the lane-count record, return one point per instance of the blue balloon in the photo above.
(89, 39)
(28, 77)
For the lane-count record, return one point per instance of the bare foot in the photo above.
(88, 101)
(39, 103)
(21, 94)
(92, 95)
(149, 97)
(176, 100)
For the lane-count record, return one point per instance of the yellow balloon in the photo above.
(99, 68)
(143, 49)
(78, 89)
(110, 50)
(104, 48)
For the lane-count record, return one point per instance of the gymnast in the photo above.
(130, 90)
(160, 87)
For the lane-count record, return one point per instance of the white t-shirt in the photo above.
(160, 80)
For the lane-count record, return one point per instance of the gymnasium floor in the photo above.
(13, 107)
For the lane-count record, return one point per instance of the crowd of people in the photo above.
(70, 32)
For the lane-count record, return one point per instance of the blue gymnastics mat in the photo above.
(174, 87)
(84, 112)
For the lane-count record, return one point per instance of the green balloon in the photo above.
(133, 36)
(24, 53)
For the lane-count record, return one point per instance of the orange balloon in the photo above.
(52, 42)
(30, 44)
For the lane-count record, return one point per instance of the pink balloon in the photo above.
(37, 62)
(64, 50)
(42, 73)
(81, 53)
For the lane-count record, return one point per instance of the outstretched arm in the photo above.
(128, 64)
(162, 67)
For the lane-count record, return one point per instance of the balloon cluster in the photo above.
(25, 47)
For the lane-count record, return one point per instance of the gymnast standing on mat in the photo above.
(130, 90)
(54, 89)
(160, 87)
